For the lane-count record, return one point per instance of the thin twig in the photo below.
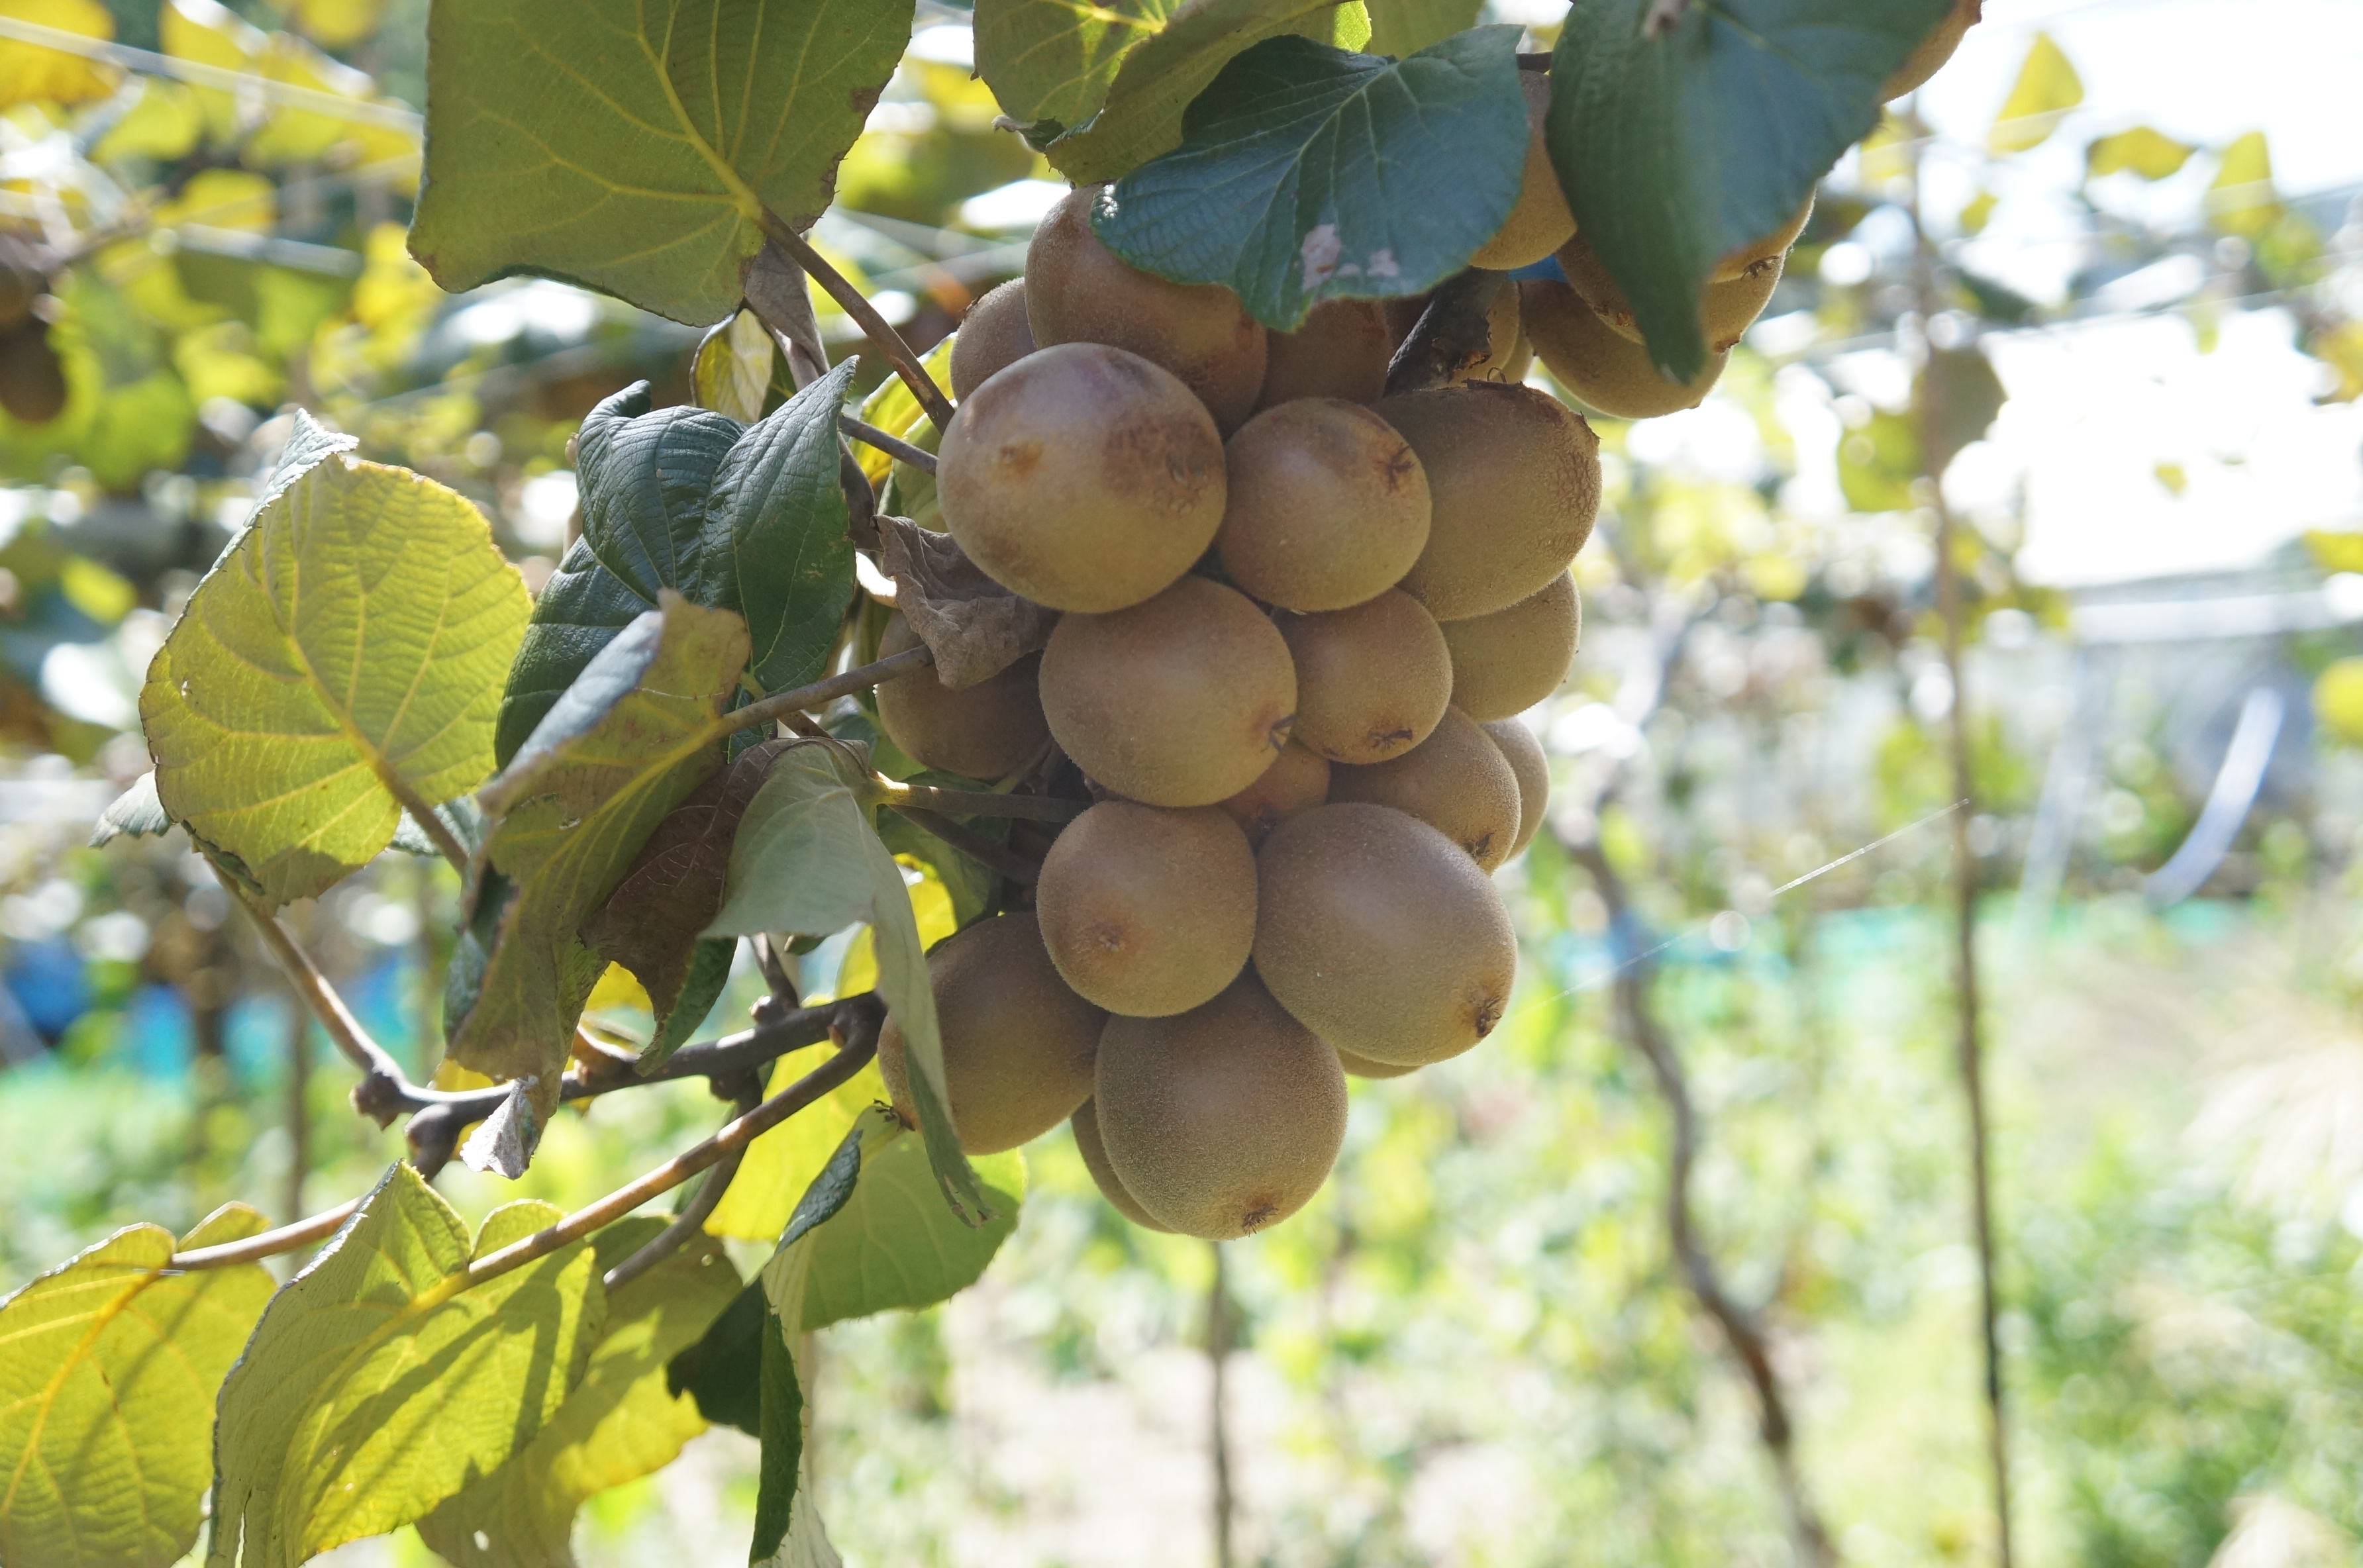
(822, 692)
(991, 854)
(269, 1244)
(691, 1221)
(1740, 1328)
(1218, 1350)
(892, 446)
(980, 803)
(1454, 331)
(371, 1058)
(865, 316)
(439, 833)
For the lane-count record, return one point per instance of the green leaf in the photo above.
(2047, 88)
(806, 860)
(1340, 175)
(775, 547)
(1879, 462)
(1678, 148)
(620, 1423)
(1406, 26)
(731, 373)
(338, 665)
(895, 1245)
(1052, 60)
(108, 1369)
(970, 885)
(632, 144)
(377, 1385)
(629, 740)
(709, 972)
(1141, 116)
(779, 1424)
(719, 1372)
(645, 479)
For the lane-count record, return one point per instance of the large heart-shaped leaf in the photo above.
(633, 145)
(1052, 60)
(1141, 114)
(378, 1383)
(807, 860)
(108, 1369)
(1308, 173)
(645, 476)
(626, 744)
(336, 667)
(620, 1423)
(1682, 132)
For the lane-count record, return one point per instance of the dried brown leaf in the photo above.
(975, 627)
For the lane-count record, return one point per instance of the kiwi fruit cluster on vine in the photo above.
(1297, 621)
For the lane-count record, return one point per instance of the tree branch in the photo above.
(888, 341)
(691, 1221)
(1741, 1330)
(892, 446)
(1455, 330)
(269, 1244)
(773, 708)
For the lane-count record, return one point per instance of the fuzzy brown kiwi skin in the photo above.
(1223, 1121)
(1182, 701)
(1080, 292)
(1380, 935)
(1341, 350)
(1086, 1125)
(1598, 368)
(1728, 308)
(1018, 1045)
(993, 335)
(1540, 221)
(984, 731)
(1363, 1067)
(1327, 505)
(1513, 486)
(1506, 662)
(1372, 681)
(1456, 780)
(1297, 780)
(1733, 294)
(1149, 911)
(1531, 765)
(1082, 477)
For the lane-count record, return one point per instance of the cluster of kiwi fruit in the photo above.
(1298, 618)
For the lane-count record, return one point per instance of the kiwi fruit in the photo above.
(1503, 338)
(1327, 505)
(1086, 1125)
(1182, 701)
(1506, 662)
(1731, 297)
(983, 731)
(1513, 485)
(1609, 373)
(1342, 350)
(32, 378)
(993, 335)
(1078, 291)
(1081, 477)
(1524, 754)
(1018, 1045)
(1588, 276)
(1456, 780)
(1222, 1120)
(1149, 911)
(1379, 935)
(1754, 254)
(1363, 1067)
(1540, 221)
(1371, 681)
(1297, 780)
(1933, 51)
(1727, 310)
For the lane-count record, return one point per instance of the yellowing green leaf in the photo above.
(30, 71)
(341, 662)
(2172, 476)
(619, 1424)
(293, 134)
(377, 1385)
(2341, 348)
(732, 372)
(633, 144)
(163, 124)
(1402, 27)
(224, 198)
(2149, 154)
(212, 34)
(779, 1166)
(2242, 200)
(2047, 88)
(2338, 700)
(895, 1245)
(1975, 211)
(1052, 60)
(1141, 116)
(333, 24)
(2331, 552)
(108, 1369)
(632, 736)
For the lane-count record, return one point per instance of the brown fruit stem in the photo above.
(887, 342)
(894, 446)
(782, 704)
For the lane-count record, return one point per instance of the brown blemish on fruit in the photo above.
(1261, 1212)
(1488, 1014)
(1019, 458)
(1384, 741)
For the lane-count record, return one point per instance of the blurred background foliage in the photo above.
(1474, 1347)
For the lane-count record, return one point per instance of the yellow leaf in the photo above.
(1974, 213)
(224, 198)
(2172, 476)
(28, 71)
(2242, 200)
(333, 24)
(893, 409)
(2335, 552)
(2047, 87)
(210, 33)
(94, 591)
(781, 1163)
(163, 124)
(2341, 348)
(2152, 154)
(216, 361)
(2338, 700)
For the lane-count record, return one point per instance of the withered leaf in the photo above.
(976, 627)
